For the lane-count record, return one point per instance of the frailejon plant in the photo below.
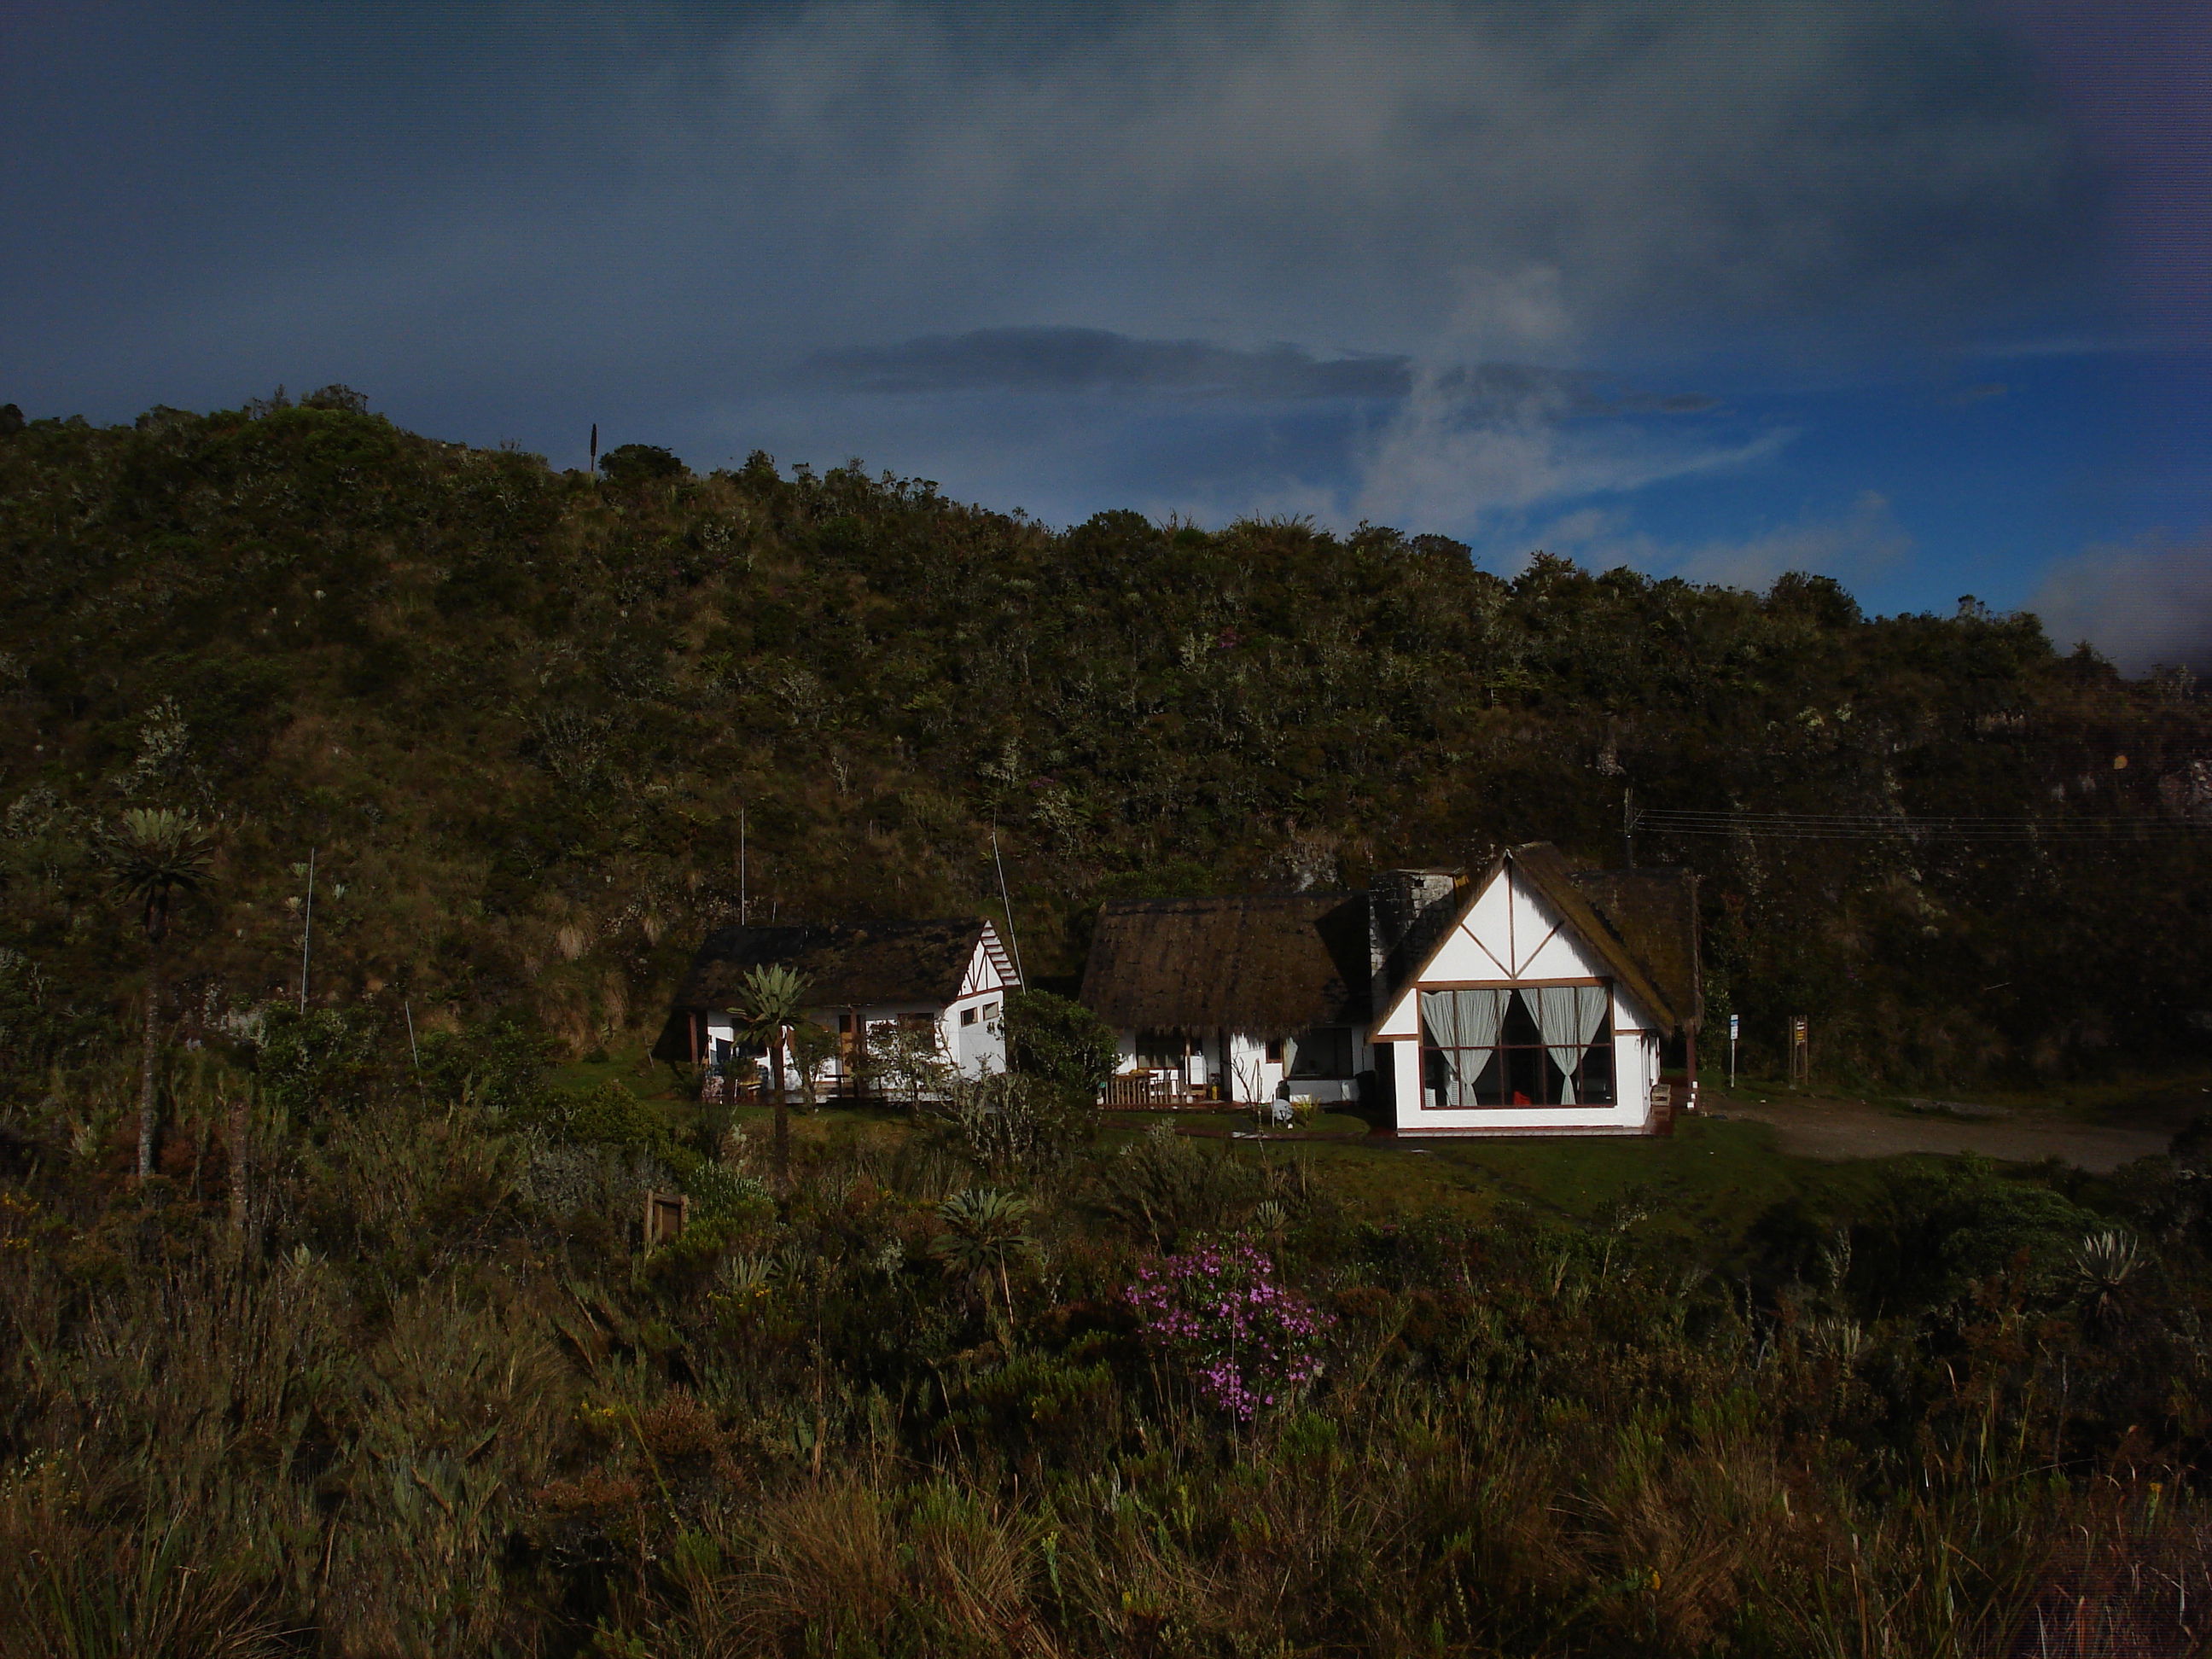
(1249, 1341)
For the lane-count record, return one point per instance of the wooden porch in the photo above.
(1164, 1089)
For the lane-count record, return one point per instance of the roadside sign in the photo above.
(1736, 1027)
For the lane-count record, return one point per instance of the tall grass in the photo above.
(437, 1402)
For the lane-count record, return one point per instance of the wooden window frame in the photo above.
(1608, 1039)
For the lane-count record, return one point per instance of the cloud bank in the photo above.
(1464, 266)
(2142, 604)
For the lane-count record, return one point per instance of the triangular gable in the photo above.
(988, 968)
(1548, 876)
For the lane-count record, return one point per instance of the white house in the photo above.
(947, 981)
(1234, 999)
(1540, 999)
(1536, 999)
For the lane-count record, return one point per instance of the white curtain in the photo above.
(1569, 1015)
(1467, 1020)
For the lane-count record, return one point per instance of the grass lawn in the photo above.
(1708, 1181)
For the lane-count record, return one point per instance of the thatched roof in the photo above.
(1271, 967)
(1654, 913)
(845, 965)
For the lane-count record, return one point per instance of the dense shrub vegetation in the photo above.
(376, 1363)
(518, 717)
(399, 1381)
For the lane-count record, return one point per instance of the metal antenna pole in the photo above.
(741, 867)
(413, 1051)
(308, 931)
(1013, 939)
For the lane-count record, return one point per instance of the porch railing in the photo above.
(1158, 1090)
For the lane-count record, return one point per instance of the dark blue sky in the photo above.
(1918, 295)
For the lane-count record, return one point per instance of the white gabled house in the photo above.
(948, 981)
(1540, 999)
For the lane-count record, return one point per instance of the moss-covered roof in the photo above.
(1654, 913)
(845, 965)
(1270, 966)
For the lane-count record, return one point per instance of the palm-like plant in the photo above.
(2103, 1264)
(769, 1002)
(984, 1235)
(153, 856)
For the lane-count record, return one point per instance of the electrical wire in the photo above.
(1862, 826)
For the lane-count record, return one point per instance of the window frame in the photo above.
(1606, 1042)
(1347, 1035)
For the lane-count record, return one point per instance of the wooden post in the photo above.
(665, 1214)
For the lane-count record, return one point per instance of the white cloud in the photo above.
(1863, 543)
(1445, 463)
(2141, 603)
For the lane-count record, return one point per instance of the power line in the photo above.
(1871, 826)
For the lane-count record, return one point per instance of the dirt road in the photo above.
(1811, 1127)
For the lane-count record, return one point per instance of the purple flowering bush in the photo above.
(1218, 1311)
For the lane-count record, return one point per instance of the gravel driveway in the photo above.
(1836, 1129)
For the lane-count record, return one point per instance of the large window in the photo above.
(1162, 1050)
(1520, 1045)
(1325, 1052)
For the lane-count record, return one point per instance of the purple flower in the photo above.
(1217, 1310)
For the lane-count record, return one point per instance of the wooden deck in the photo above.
(1158, 1092)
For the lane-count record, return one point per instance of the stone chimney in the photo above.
(1407, 909)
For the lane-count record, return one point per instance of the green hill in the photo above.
(517, 714)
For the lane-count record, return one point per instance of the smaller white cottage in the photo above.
(1234, 999)
(945, 980)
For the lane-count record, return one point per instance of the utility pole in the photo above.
(741, 867)
(1628, 823)
(1013, 941)
(308, 931)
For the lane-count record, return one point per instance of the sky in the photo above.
(1914, 294)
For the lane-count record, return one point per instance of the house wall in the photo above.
(1510, 936)
(1246, 1072)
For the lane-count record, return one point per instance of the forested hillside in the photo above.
(517, 714)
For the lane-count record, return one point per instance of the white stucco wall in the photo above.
(1510, 936)
(1246, 1072)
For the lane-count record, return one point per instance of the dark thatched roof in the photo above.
(845, 965)
(1269, 966)
(1655, 914)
